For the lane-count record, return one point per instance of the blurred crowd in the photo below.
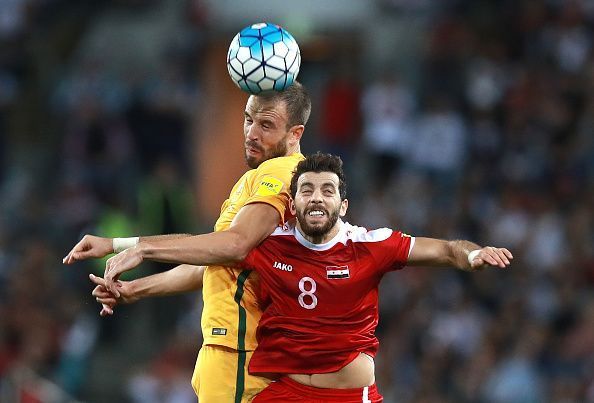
(487, 134)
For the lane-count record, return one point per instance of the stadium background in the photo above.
(456, 119)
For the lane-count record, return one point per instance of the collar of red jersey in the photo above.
(339, 237)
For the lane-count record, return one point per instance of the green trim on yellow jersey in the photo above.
(241, 326)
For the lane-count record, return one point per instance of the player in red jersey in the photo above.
(319, 277)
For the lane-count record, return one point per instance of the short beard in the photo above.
(279, 150)
(316, 232)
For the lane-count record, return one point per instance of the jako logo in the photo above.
(282, 266)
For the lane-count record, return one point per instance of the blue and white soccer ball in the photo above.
(263, 57)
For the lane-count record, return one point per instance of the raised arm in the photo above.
(464, 255)
(252, 224)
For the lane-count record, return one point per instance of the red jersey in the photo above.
(323, 298)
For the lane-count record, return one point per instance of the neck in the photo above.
(323, 238)
(294, 149)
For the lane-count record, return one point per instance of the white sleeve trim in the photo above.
(410, 248)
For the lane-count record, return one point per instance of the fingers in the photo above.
(110, 281)
(69, 259)
(105, 310)
(117, 265)
(499, 257)
(97, 280)
(89, 246)
(103, 296)
(73, 255)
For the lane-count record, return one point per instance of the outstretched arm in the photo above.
(437, 252)
(92, 246)
(180, 279)
(252, 224)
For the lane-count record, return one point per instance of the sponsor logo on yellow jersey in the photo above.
(269, 186)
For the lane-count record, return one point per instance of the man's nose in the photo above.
(252, 133)
(316, 196)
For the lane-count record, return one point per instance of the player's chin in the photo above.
(319, 222)
(317, 227)
(252, 161)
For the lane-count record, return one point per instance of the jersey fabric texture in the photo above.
(323, 298)
(287, 390)
(231, 310)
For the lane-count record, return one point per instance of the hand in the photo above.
(491, 256)
(90, 246)
(118, 264)
(107, 299)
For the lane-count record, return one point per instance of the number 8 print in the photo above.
(310, 293)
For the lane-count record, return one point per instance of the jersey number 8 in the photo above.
(309, 293)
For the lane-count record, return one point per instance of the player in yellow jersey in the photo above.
(273, 125)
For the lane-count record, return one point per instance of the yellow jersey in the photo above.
(231, 310)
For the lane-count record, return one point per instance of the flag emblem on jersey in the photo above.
(337, 272)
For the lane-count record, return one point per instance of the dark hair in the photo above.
(320, 162)
(297, 101)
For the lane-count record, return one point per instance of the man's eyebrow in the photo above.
(323, 185)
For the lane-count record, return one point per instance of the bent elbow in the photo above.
(238, 249)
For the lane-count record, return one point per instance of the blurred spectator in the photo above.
(161, 113)
(166, 378)
(440, 144)
(516, 377)
(387, 108)
(165, 203)
(340, 115)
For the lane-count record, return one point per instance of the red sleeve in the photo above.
(392, 253)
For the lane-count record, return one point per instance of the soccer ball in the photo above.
(263, 57)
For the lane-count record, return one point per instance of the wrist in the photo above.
(121, 244)
(134, 290)
(472, 255)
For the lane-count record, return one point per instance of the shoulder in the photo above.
(275, 174)
(355, 233)
(287, 230)
(283, 164)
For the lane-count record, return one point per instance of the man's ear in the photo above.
(296, 133)
(292, 207)
(344, 205)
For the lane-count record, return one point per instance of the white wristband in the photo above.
(121, 244)
(472, 255)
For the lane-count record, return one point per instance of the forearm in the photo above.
(151, 238)
(214, 248)
(180, 279)
(437, 252)
(121, 244)
(441, 253)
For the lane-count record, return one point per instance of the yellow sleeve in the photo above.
(271, 184)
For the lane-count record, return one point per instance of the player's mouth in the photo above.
(316, 213)
(251, 149)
